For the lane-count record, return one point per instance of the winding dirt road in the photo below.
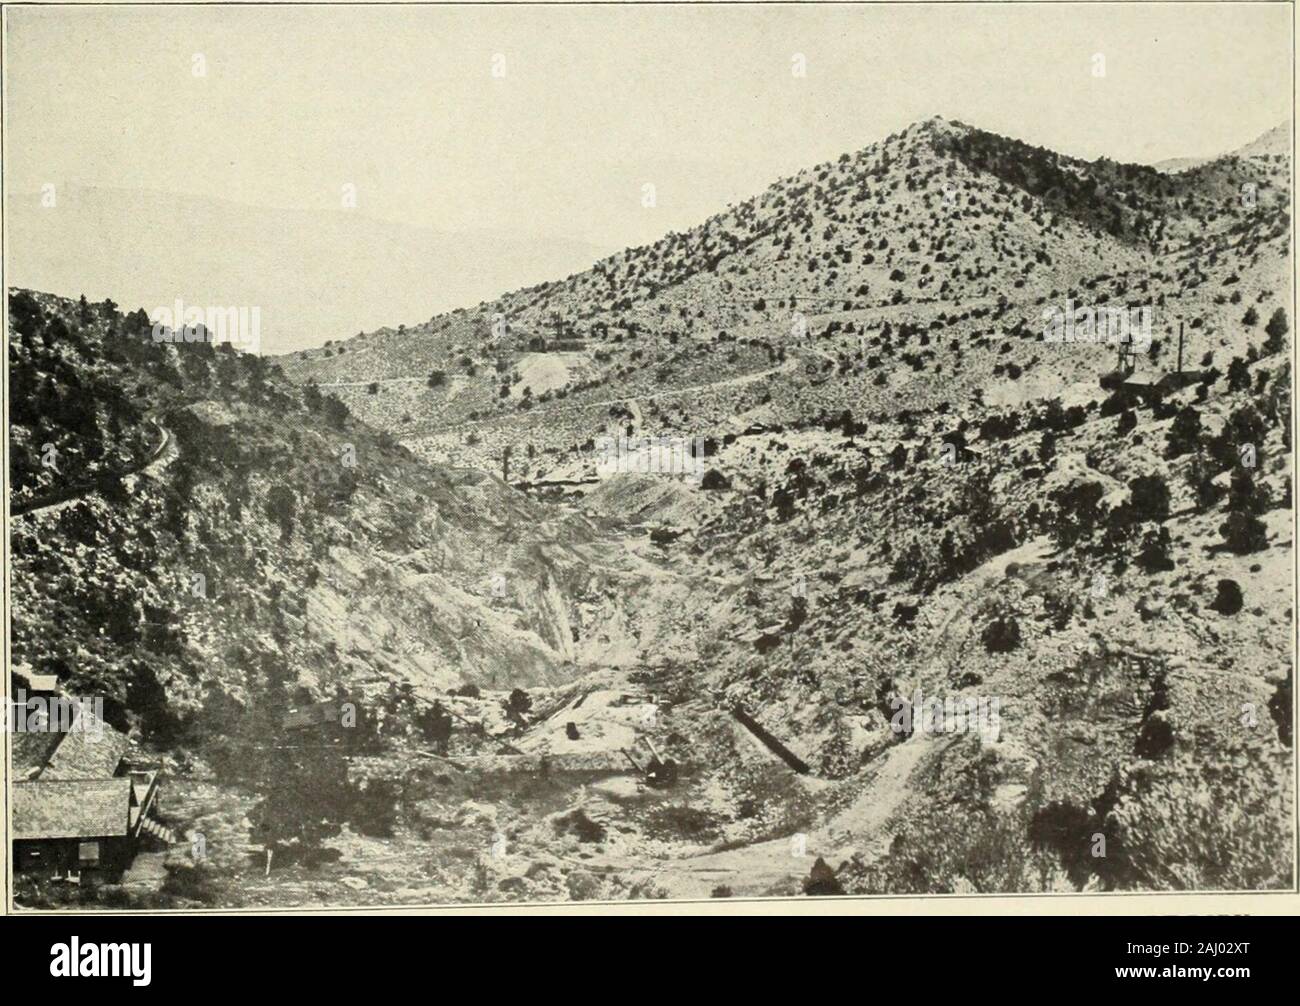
(163, 455)
(535, 415)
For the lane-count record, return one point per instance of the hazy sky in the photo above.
(596, 101)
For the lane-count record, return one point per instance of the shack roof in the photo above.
(76, 808)
(86, 747)
(91, 750)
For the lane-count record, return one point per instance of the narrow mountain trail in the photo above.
(163, 455)
(860, 829)
(382, 382)
(537, 415)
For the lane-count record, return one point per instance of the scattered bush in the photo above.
(1276, 329)
(1229, 600)
(1002, 635)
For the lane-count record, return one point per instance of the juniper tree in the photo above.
(1275, 329)
(1238, 374)
(1184, 435)
(1243, 531)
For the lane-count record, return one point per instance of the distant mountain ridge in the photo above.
(314, 275)
(1274, 142)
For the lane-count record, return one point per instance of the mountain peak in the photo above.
(1274, 141)
(934, 125)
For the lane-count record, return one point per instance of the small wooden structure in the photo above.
(1152, 385)
(77, 806)
(314, 715)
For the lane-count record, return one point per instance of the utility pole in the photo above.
(505, 465)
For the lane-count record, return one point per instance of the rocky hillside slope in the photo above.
(275, 547)
(940, 247)
(923, 492)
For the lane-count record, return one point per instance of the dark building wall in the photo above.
(50, 855)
